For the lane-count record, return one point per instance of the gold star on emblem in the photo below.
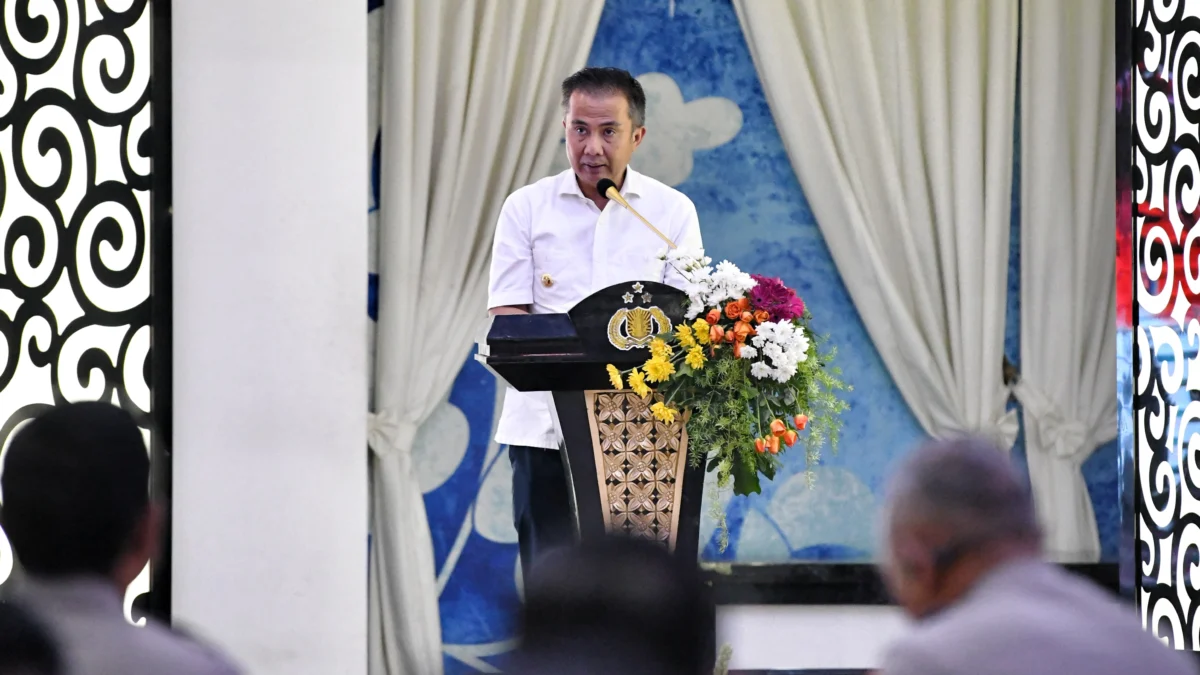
(628, 298)
(646, 298)
(637, 288)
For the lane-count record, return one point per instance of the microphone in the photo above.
(609, 189)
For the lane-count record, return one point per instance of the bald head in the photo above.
(966, 488)
(955, 509)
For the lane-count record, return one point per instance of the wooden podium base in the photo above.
(629, 472)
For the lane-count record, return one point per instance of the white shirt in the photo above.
(554, 247)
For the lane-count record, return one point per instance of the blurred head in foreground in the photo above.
(955, 510)
(75, 486)
(617, 606)
(25, 646)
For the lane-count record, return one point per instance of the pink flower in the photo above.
(771, 295)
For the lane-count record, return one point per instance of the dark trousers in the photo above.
(541, 503)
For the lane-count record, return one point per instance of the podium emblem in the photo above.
(635, 327)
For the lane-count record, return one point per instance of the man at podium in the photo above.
(559, 240)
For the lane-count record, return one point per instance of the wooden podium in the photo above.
(627, 472)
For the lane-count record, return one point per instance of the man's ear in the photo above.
(912, 558)
(639, 135)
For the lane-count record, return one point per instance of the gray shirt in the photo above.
(1033, 618)
(87, 620)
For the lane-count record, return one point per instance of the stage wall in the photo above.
(712, 136)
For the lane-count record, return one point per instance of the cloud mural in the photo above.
(439, 446)
(676, 129)
(832, 519)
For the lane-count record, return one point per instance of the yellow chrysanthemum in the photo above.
(662, 413)
(659, 370)
(614, 376)
(700, 331)
(695, 358)
(683, 333)
(637, 382)
(659, 349)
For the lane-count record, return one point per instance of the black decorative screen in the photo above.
(1165, 169)
(84, 201)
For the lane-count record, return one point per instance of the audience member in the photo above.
(25, 645)
(617, 606)
(78, 514)
(963, 558)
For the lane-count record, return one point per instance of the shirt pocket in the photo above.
(634, 264)
(557, 282)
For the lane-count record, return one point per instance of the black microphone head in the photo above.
(604, 185)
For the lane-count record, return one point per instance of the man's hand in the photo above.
(509, 309)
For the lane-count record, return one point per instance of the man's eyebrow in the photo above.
(608, 123)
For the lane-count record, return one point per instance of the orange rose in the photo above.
(743, 305)
(732, 311)
(730, 336)
(778, 428)
(747, 317)
(716, 333)
(759, 445)
(789, 438)
(742, 330)
(762, 315)
(714, 315)
(801, 421)
(773, 445)
(737, 349)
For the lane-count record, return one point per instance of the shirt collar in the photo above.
(632, 187)
(79, 593)
(1015, 570)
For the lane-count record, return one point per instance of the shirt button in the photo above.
(547, 281)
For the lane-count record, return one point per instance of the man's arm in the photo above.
(508, 309)
(687, 237)
(510, 282)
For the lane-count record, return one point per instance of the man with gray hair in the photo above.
(963, 558)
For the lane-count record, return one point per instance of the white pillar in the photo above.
(270, 455)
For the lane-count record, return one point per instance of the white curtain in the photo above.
(1068, 287)
(470, 112)
(898, 119)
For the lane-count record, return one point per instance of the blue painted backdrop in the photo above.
(753, 212)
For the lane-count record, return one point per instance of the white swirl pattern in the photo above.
(75, 186)
(1166, 61)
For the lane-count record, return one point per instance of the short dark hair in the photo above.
(608, 81)
(25, 643)
(75, 486)
(617, 605)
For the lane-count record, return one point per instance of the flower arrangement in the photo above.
(744, 370)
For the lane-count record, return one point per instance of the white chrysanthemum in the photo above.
(729, 283)
(783, 346)
(784, 372)
(748, 352)
(760, 370)
(686, 261)
(771, 350)
(707, 287)
(802, 344)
